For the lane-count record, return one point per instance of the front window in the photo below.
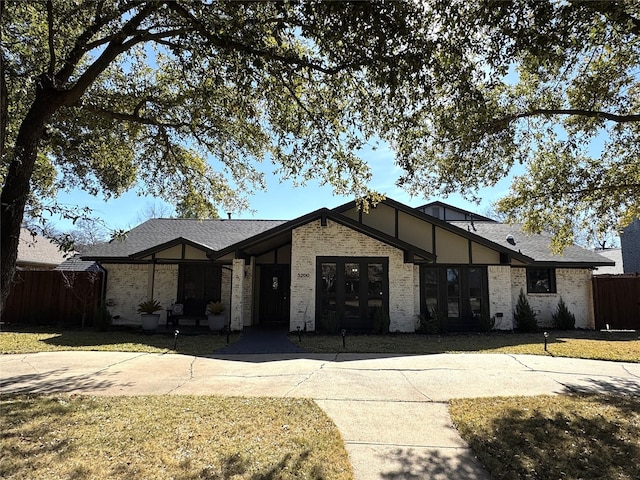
(541, 280)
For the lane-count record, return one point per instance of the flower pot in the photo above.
(216, 322)
(150, 321)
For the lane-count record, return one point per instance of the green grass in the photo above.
(179, 437)
(577, 344)
(43, 339)
(560, 437)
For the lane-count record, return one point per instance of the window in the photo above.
(541, 280)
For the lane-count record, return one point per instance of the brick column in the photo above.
(237, 295)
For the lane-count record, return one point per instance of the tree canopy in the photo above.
(181, 99)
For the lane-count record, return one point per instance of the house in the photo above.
(627, 256)
(613, 254)
(338, 268)
(36, 252)
(630, 246)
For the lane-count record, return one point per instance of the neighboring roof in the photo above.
(37, 250)
(536, 246)
(427, 208)
(613, 254)
(214, 235)
(76, 264)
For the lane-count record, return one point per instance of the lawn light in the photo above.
(344, 335)
(299, 337)
(546, 336)
(175, 338)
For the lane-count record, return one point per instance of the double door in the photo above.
(350, 290)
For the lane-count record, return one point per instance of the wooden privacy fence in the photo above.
(53, 298)
(617, 301)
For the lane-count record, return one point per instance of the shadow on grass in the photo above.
(36, 432)
(410, 464)
(594, 438)
(190, 341)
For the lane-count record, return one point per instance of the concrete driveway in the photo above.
(391, 410)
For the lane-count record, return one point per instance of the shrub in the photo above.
(149, 307)
(215, 308)
(524, 316)
(563, 319)
(102, 319)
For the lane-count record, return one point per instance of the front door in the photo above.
(350, 291)
(275, 282)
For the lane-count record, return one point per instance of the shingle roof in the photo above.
(615, 255)
(76, 264)
(38, 250)
(213, 234)
(536, 246)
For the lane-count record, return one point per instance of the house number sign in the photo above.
(303, 275)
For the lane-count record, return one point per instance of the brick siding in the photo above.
(312, 240)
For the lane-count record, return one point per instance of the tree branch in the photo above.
(501, 123)
(228, 43)
(82, 41)
(52, 52)
(615, 12)
(132, 118)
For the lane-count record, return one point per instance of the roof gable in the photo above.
(160, 233)
(284, 231)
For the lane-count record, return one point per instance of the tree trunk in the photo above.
(15, 191)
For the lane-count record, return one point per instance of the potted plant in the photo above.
(148, 315)
(215, 317)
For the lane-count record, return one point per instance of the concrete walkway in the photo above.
(391, 410)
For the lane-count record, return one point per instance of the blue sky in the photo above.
(281, 200)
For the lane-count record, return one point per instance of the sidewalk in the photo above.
(391, 410)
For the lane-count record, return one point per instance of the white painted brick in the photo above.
(128, 285)
(499, 278)
(573, 285)
(312, 240)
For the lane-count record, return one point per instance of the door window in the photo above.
(349, 292)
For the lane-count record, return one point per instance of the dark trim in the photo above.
(169, 244)
(446, 206)
(444, 225)
(470, 252)
(397, 223)
(433, 238)
(336, 217)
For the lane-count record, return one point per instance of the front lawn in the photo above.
(179, 437)
(576, 344)
(48, 339)
(566, 437)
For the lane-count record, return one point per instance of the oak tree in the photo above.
(182, 99)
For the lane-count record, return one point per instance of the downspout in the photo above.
(103, 288)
